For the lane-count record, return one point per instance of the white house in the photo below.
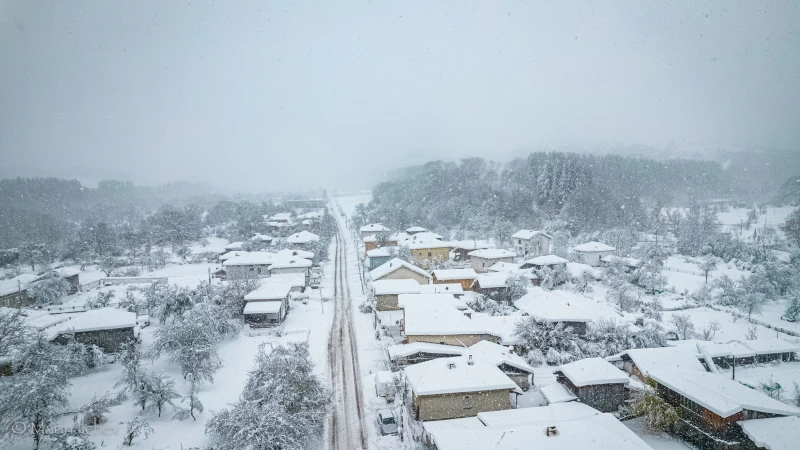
(481, 260)
(592, 252)
(253, 262)
(302, 238)
(372, 228)
(531, 243)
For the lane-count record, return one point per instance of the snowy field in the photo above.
(304, 322)
(735, 218)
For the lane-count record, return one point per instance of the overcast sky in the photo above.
(265, 95)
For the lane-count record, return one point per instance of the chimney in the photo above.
(551, 431)
(470, 362)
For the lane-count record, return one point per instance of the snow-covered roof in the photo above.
(529, 234)
(232, 254)
(593, 246)
(456, 374)
(250, 259)
(234, 246)
(302, 237)
(471, 244)
(286, 262)
(416, 230)
(270, 290)
(502, 266)
(719, 394)
(425, 243)
(290, 252)
(528, 416)
(444, 288)
(262, 307)
(17, 283)
(546, 260)
(771, 346)
(293, 279)
(600, 432)
(454, 274)
(98, 319)
(558, 305)
(492, 280)
(425, 235)
(499, 354)
(630, 262)
(649, 359)
(733, 348)
(501, 327)
(405, 350)
(379, 252)
(777, 433)
(430, 300)
(373, 227)
(591, 371)
(393, 287)
(67, 272)
(492, 253)
(578, 269)
(437, 319)
(556, 393)
(395, 264)
(280, 217)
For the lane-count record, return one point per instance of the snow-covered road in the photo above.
(346, 428)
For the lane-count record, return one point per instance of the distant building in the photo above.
(107, 328)
(397, 269)
(415, 230)
(481, 260)
(378, 257)
(465, 277)
(592, 252)
(550, 261)
(529, 243)
(372, 229)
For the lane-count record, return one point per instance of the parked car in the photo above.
(386, 422)
(384, 385)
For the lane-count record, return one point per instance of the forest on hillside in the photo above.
(570, 192)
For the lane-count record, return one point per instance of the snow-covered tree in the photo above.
(552, 278)
(698, 230)
(192, 344)
(708, 332)
(792, 312)
(703, 296)
(652, 309)
(684, 326)
(651, 335)
(606, 337)
(708, 265)
(38, 391)
(239, 284)
(481, 303)
(13, 331)
(192, 402)
(162, 392)
(545, 336)
(624, 297)
(280, 408)
(50, 288)
(139, 426)
(657, 414)
(791, 227)
(74, 438)
(517, 286)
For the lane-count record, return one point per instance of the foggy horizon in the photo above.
(267, 97)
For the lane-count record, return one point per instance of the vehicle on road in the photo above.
(386, 422)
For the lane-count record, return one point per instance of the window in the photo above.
(429, 254)
(467, 402)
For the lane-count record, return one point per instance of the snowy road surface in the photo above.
(346, 428)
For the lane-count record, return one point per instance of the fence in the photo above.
(755, 321)
(122, 280)
(690, 272)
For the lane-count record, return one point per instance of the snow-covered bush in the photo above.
(545, 336)
(483, 304)
(282, 405)
(139, 426)
(50, 288)
(792, 312)
(624, 297)
(657, 414)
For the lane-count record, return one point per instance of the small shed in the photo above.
(465, 277)
(264, 314)
(595, 382)
(107, 328)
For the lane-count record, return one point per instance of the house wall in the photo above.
(458, 405)
(439, 254)
(404, 273)
(110, 341)
(481, 264)
(304, 270)
(593, 258)
(261, 270)
(537, 246)
(453, 339)
(603, 397)
(466, 283)
(16, 299)
(386, 302)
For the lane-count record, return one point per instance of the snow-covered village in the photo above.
(380, 225)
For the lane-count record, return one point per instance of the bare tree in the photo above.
(683, 324)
